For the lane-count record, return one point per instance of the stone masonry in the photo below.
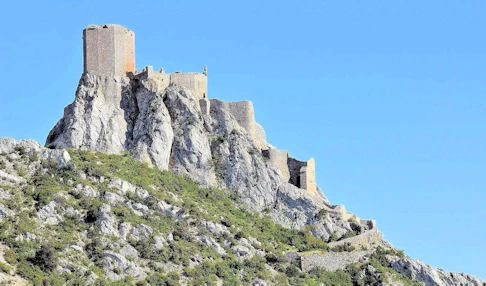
(303, 174)
(195, 83)
(109, 50)
(278, 159)
(331, 261)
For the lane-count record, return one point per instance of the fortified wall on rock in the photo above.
(109, 51)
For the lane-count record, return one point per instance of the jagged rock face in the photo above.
(166, 128)
(191, 148)
(111, 115)
(95, 120)
(431, 276)
(239, 164)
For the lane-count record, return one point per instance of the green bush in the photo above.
(345, 247)
(336, 278)
(10, 256)
(5, 268)
(45, 258)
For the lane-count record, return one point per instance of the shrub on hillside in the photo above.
(45, 258)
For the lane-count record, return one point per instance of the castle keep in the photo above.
(109, 51)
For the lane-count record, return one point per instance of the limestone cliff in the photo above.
(213, 142)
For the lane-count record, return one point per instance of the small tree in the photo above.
(45, 258)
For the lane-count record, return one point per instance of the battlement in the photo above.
(108, 50)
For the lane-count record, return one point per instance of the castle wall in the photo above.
(308, 176)
(205, 106)
(302, 174)
(294, 171)
(245, 115)
(331, 261)
(278, 159)
(108, 50)
(372, 236)
(242, 111)
(157, 80)
(261, 136)
(197, 83)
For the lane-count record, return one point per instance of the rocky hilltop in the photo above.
(146, 181)
(167, 127)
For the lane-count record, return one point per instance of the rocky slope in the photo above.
(167, 128)
(85, 218)
(118, 220)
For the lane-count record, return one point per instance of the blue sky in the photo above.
(389, 97)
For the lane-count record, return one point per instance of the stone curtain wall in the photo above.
(242, 111)
(245, 115)
(331, 261)
(278, 159)
(303, 174)
(308, 176)
(370, 237)
(108, 50)
(294, 169)
(197, 83)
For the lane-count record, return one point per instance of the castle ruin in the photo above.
(109, 51)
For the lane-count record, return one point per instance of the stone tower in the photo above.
(108, 50)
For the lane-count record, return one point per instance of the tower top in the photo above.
(108, 50)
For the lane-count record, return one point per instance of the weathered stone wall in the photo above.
(242, 111)
(197, 83)
(108, 50)
(308, 176)
(158, 80)
(294, 171)
(331, 261)
(278, 159)
(371, 237)
(303, 174)
(261, 137)
(245, 115)
(205, 106)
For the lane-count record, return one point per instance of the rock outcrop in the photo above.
(430, 275)
(213, 142)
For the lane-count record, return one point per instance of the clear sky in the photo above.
(389, 97)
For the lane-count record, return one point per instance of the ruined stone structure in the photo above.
(244, 114)
(195, 83)
(303, 174)
(278, 159)
(108, 50)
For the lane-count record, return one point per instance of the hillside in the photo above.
(108, 217)
(83, 217)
